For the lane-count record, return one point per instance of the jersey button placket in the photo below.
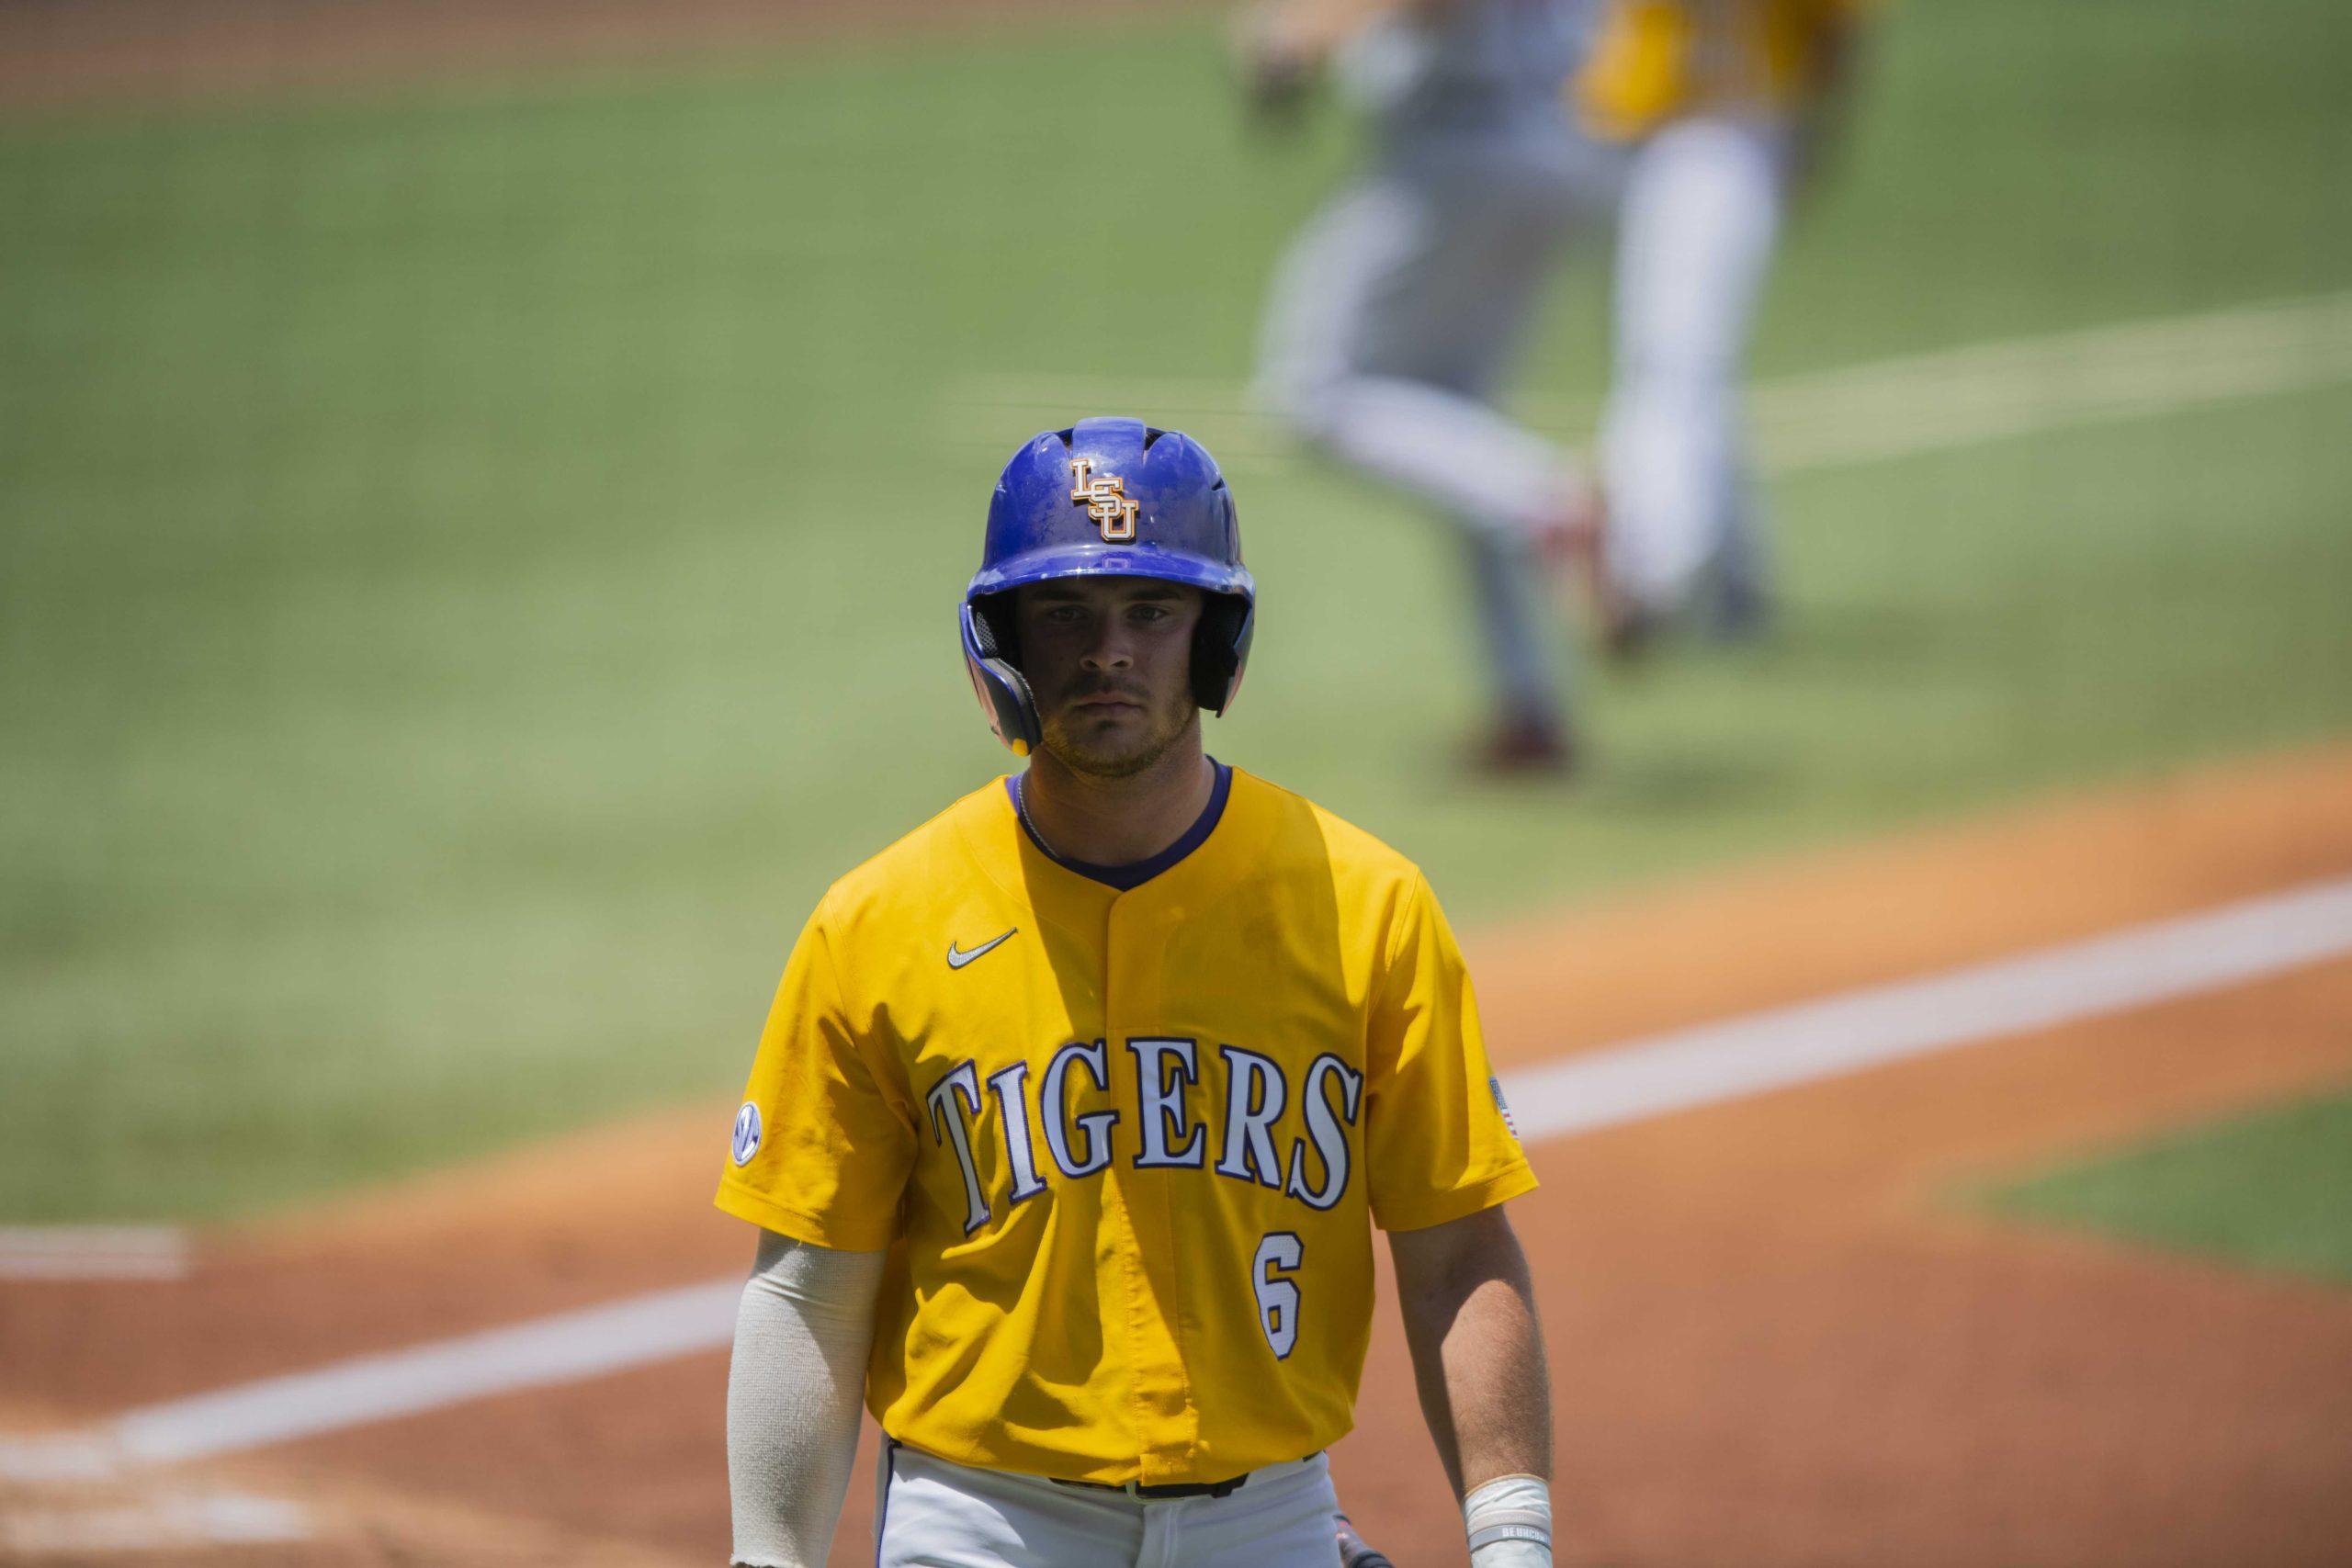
(1139, 927)
(1135, 1289)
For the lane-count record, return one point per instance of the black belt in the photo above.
(1168, 1491)
(1162, 1493)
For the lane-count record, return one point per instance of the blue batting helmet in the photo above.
(1107, 498)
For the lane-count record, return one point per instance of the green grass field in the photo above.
(475, 562)
(2266, 1190)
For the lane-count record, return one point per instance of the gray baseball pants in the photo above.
(1392, 321)
(933, 1514)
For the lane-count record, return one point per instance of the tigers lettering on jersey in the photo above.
(1173, 1136)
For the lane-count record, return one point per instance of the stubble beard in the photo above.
(1121, 761)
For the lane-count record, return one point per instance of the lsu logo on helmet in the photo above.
(1105, 501)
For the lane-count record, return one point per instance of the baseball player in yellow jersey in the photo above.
(1723, 103)
(1078, 1105)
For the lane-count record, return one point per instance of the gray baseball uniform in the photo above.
(1394, 315)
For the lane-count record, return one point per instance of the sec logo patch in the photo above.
(747, 1132)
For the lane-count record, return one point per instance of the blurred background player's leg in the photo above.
(1387, 324)
(1390, 321)
(1701, 211)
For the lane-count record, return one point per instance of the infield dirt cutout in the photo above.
(1777, 1339)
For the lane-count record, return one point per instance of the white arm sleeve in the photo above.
(793, 1392)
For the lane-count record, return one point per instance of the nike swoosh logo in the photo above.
(958, 957)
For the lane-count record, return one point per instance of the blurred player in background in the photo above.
(1395, 312)
(1726, 104)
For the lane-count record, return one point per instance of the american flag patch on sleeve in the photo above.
(1502, 1105)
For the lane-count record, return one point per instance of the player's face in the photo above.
(1110, 660)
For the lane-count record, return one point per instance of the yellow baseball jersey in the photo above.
(1126, 1147)
(1656, 60)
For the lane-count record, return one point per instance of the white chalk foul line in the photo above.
(1904, 407)
(92, 1252)
(1965, 397)
(563, 1348)
(566, 1348)
(2137, 967)
(156, 1523)
(1679, 1071)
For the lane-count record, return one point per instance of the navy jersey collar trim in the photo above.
(1128, 877)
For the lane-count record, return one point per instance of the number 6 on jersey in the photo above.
(1278, 1256)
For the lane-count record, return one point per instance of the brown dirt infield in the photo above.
(1776, 1339)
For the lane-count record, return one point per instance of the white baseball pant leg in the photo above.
(1702, 213)
(933, 1514)
(1389, 320)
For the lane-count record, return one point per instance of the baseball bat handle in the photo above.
(1354, 1553)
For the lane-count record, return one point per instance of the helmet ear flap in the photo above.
(1003, 690)
(1221, 649)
